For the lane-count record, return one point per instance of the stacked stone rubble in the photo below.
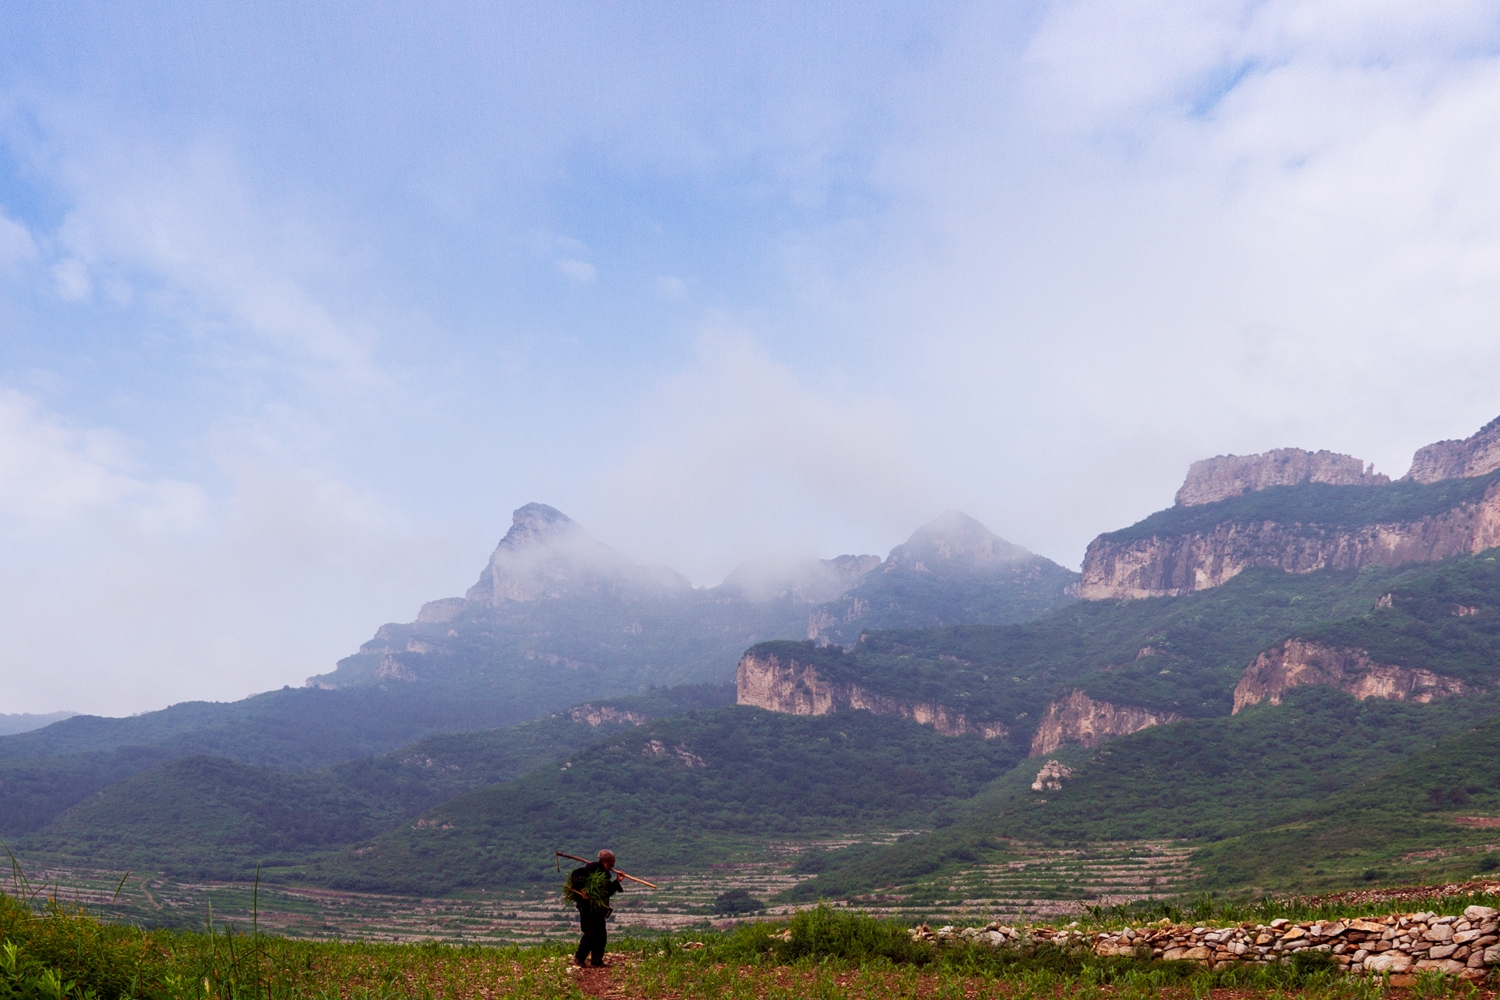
(1465, 945)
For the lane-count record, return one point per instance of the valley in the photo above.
(1301, 696)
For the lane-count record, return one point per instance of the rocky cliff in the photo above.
(1295, 663)
(1077, 718)
(1476, 455)
(1225, 521)
(1169, 565)
(1226, 476)
(785, 684)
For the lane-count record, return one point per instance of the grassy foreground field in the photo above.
(53, 953)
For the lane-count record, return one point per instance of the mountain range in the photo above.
(1297, 645)
(555, 619)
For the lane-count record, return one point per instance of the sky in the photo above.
(298, 302)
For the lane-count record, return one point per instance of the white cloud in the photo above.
(228, 264)
(737, 456)
(121, 591)
(671, 288)
(577, 271)
(16, 244)
(72, 279)
(52, 474)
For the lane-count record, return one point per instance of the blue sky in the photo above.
(298, 302)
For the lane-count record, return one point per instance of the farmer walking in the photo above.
(591, 886)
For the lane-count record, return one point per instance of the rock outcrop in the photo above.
(1476, 455)
(766, 680)
(1051, 777)
(1395, 945)
(1295, 663)
(1226, 476)
(1077, 718)
(1181, 564)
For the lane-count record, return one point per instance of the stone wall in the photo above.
(1399, 945)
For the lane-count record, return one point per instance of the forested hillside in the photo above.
(204, 814)
(683, 792)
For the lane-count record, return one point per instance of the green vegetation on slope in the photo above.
(901, 597)
(35, 790)
(1312, 504)
(1175, 654)
(678, 792)
(1400, 824)
(1180, 654)
(212, 816)
(1445, 619)
(1318, 758)
(1213, 778)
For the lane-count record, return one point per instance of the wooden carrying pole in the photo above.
(574, 857)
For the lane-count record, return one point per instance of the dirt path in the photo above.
(600, 982)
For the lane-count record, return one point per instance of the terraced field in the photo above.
(1043, 883)
(1037, 884)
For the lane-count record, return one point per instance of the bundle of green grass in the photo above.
(595, 890)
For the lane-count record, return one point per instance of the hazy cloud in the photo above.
(312, 329)
(16, 244)
(737, 456)
(577, 271)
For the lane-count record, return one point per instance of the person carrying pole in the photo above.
(590, 888)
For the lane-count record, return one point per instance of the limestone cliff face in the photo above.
(1476, 455)
(1077, 718)
(1226, 476)
(792, 687)
(1176, 565)
(1295, 663)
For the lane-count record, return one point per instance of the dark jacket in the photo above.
(579, 876)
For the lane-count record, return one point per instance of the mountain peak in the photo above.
(537, 524)
(955, 537)
(548, 554)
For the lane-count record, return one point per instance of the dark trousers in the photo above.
(595, 937)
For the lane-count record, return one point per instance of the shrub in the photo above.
(43, 953)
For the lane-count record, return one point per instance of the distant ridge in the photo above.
(25, 722)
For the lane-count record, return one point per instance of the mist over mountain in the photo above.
(558, 616)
